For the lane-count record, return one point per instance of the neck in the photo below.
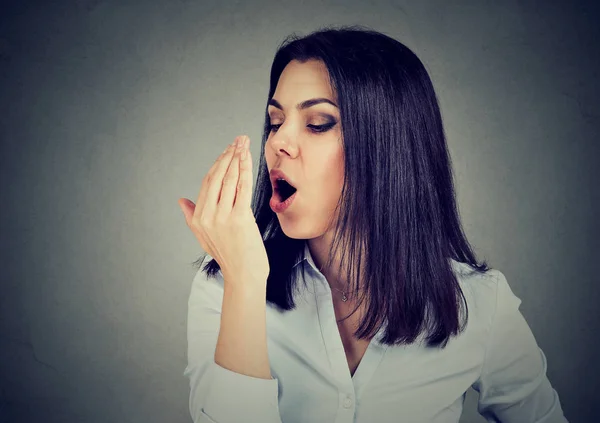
(319, 249)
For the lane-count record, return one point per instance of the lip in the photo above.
(279, 174)
(279, 206)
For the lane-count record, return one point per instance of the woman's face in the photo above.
(312, 160)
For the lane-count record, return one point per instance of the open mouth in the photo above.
(284, 189)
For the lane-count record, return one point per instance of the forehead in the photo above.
(300, 81)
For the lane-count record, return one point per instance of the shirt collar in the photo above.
(306, 256)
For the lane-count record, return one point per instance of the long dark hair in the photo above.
(398, 202)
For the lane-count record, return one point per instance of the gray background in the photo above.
(112, 110)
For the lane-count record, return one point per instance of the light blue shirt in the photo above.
(497, 355)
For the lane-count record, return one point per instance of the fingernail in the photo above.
(241, 143)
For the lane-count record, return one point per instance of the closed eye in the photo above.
(314, 128)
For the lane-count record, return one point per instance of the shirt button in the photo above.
(347, 402)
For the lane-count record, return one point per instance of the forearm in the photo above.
(242, 342)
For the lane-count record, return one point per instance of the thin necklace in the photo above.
(344, 296)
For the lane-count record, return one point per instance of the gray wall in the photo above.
(112, 110)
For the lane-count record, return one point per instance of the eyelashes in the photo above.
(313, 128)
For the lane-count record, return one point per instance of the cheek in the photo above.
(337, 168)
(331, 178)
(269, 156)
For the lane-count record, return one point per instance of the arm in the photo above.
(242, 342)
(228, 367)
(513, 386)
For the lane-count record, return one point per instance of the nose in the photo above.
(282, 144)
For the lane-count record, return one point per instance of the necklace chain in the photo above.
(344, 296)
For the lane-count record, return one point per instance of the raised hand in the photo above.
(223, 221)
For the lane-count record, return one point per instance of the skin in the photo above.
(314, 161)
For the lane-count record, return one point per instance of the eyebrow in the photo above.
(305, 104)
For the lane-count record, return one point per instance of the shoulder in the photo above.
(485, 292)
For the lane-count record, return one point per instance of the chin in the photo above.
(299, 228)
(292, 229)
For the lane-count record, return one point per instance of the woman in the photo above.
(354, 199)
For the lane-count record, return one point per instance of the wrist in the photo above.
(245, 288)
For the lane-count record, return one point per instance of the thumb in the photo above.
(187, 208)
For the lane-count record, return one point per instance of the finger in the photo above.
(244, 191)
(227, 152)
(210, 175)
(230, 180)
(187, 208)
(215, 183)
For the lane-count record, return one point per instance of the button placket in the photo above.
(348, 401)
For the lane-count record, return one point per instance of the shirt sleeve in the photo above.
(219, 395)
(513, 386)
